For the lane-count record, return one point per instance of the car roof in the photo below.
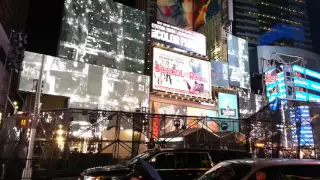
(199, 149)
(274, 162)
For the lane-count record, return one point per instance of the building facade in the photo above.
(269, 22)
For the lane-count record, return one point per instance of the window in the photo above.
(182, 161)
(164, 161)
(226, 170)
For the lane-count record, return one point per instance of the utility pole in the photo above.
(27, 172)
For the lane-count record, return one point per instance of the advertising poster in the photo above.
(176, 12)
(177, 73)
(103, 33)
(86, 85)
(238, 59)
(195, 122)
(219, 74)
(175, 112)
(204, 10)
(228, 108)
(179, 38)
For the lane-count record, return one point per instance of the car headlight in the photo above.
(91, 178)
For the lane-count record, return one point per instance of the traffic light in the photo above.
(16, 52)
(23, 123)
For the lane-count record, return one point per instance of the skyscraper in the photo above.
(273, 22)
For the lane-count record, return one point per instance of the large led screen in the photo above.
(238, 58)
(228, 108)
(86, 85)
(249, 104)
(103, 33)
(177, 73)
(219, 74)
(176, 12)
(204, 10)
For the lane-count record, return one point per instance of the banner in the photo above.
(238, 58)
(219, 74)
(177, 73)
(180, 38)
(176, 12)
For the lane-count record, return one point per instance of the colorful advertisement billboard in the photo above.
(177, 73)
(87, 86)
(179, 38)
(176, 12)
(204, 10)
(208, 124)
(103, 33)
(219, 74)
(228, 108)
(238, 59)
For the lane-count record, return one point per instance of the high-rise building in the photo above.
(272, 22)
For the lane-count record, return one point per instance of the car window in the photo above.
(195, 160)
(291, 172)
(227, 171)
(218, 156)
(164, 161)
(181, 161)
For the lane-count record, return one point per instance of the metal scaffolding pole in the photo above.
(27, 172)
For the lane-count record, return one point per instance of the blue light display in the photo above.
(302, 114)
(308, 72)
(305, 83)
(303, 96)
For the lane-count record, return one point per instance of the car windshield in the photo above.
(143, 156)
(227, 170)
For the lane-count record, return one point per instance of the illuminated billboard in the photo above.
(179, 38)
(204, 10)
(238, 59)
(176, 12)
(228, 108)
(219, 74)
(177, 73)
(103, 33)
(87, 86)
(249, 104)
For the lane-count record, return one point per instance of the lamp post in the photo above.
(27, 171)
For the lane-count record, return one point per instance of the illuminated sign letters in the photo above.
(179, 38)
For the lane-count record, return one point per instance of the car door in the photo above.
(194, 164)
(164, 164)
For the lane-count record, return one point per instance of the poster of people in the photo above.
(204, 10)
(176, 12)
(201, 118)
(177, 73)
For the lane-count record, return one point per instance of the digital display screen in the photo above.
(87, 86)
(238, 59)
(219, 74)
(228, 108)
(103, 33)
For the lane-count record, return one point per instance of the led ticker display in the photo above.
(304, 96)
(308, 72)
(305, 83)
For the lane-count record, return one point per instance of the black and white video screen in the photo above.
(238, 59)
(249, 104)
(103, 33)
(87, 86)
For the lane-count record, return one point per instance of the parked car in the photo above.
(169, 163)
(264, 169)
